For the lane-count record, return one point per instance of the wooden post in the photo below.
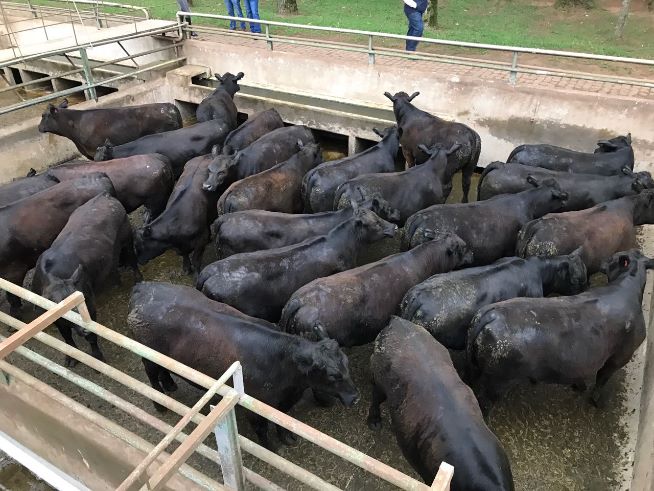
(40, 323)
(443, 477)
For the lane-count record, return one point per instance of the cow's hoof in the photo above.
(596, 400)
(375, 424)
(71, 362)
(169, 385)
(98, 355)
(159, 408)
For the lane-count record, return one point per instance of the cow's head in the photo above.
(49, 119)
(370, 227)
(608, 146)
(550, 183)
(380, 207)
(629, 262)
(310, 152)
(456, 250)
(104, 152)
(643, 211)
(229, 82)
(326, 369)
(147, 245)
(219, 170)
(571, 276)
(641, 180)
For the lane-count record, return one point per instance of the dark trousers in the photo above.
(416, 26)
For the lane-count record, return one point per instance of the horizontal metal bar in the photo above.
(96, 4)
(137, 386)
(324, 441)
(112, 428)
(444, 42)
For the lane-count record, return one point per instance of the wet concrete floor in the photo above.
(554, 438)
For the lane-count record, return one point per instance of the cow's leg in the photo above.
(286, 437)
(129, 257)
(152, 370)
(67, 333)
(16, 274)
(603, 376)
(466, 179)
(186, 264)
(167, 381)
(260, 426)
(408, 158)
(92, 339)
(374, 413)
(579, 386)
(198, 251)
(14, 304)
(489, 393)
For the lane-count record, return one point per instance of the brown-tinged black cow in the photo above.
(209, 336)
(23, 187)
(446, 303)
(354, 305)
(266, 152)
(601, 230)
(408, 191)
(490, 228)
(257, 230)
(219, 105)
(608, 160)
(177, 146)
(185, 223)
(577, 340)
(90, 128)
(140, 180)
(418, 127)
(254, 128)
(29, 226)
(83, 257)
(260, 283)
(275, 189)
(320, 184)
(584, 190)
(434, 415)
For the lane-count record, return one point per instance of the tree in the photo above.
(622, 18)
(287, 6)
(431, 14)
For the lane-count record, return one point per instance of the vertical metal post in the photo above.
(268, 38)
(4, 378)
(371, 52)
(513, 74)
(29, 2)
(96, 13)
(230, 452)
(45, 30)
(91, 93)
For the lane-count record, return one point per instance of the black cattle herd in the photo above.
(286, 293)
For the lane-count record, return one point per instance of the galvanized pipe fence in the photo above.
(373, 49)
(220, 420)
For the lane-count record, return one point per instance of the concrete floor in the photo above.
(554, 438)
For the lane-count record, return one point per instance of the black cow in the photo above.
(275, 189)
(29, 226)
(90, 128)
(434, 415)
(490, 228)
(613, 156)
(219, 105)
(584, 190)
(408, 191)
(185, 223)
(140, 180)
(260, 283)
(209, 336)
(354, 305)
(601, 230)
(320, 184)
(253, 129)
(178, 146)
(446, 303)
(418, 127)
(25, 186)
(257, 230)
(266, 152)
(575, 340)
(85, 254)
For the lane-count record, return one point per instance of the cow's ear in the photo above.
(240, 76)
(532, 180)
(218, 77)
(300, 144)
(426, 150)
(649, 264)
(578, 251)
(389, 96)
(320, 332)
(147, 231)
(234, 160)
(378, 133)
(453, 149)
(627, 171)
(303, 359)
(64, 104)
(430, 234)
(361, 193)
(77, 275)
(215, 151)
(624, 261)
(413, 96)
(52, 109)
(558, 194)
(629, 138)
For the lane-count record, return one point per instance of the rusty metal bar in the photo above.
(185, 450)
(41, 322)
(334, 446)
(172, 435)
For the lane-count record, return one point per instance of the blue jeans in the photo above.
(252, 12)
(234, 6)
(416, 26)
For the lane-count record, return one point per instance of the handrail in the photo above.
(444, 42)
(96, 3)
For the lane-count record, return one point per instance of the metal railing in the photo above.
(220, 420)
(373, 50)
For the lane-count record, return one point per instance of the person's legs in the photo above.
(239, 12)
(416, 26)
(230, 12)
(252, 8)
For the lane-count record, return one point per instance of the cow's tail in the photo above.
(214, 230)
(525, 236)
(288, 320)
(479, 321)
(515, 152)
(487, 170)
(222, 204)
(306, 191)
(476, 151)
